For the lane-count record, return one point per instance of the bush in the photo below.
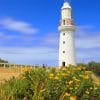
(95, 67)
(72, 83)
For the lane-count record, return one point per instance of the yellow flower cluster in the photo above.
(75, 79)
(25, 69)
(63, 69)
(72, 97)
(94, 87)
(64, 75)
(67, 94)
(56, 78)
(72, 83)
(88, 72)
(84, 76)
(69, 83)
(51, 76)
(87, 92)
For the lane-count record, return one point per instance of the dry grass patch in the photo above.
(7, 73)
(96, 79)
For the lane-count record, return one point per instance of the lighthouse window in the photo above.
(63, 42)
(63, 22)
(63, 33)
(63, 51)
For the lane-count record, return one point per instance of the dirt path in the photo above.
(96, 79)
(7, 73)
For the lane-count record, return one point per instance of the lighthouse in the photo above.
(66, 43)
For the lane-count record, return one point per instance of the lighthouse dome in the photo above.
(66, 5)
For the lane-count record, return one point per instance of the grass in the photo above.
(7, 73)
(48, 83)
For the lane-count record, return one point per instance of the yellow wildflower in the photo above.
(88, 72)
(67, 94)
(63, 69)
(67, 86)
(51, 75)
(70, 82)
(77, 80)
(76, 87)
(79, 68)
(95, 88)
(86, 77)
(43, 90)
(74, 77)
(64, 75)
(56, 78)
(91, 88)
(87, 92)
(72, 97)
(71, 88)
(81, 75)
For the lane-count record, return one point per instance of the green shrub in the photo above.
(51, 84)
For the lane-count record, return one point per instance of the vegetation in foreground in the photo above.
(71, 83)
(92, 66)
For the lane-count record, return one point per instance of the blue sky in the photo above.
(29, 35)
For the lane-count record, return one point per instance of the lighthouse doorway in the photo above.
(63, 64)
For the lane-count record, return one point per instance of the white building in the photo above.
(66, 43)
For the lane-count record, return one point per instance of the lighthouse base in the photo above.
(65, 64)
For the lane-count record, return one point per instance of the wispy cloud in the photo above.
(85, 38)
(16, 25)
(51, 39)
(88, 42)
(82, 30)
(36, 55)
(87, 55)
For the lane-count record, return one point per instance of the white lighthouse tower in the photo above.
(66, 43)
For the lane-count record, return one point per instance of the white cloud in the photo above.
(82, 30)
(51, 38)
(87, 55)
(19, 26)
(86, 38)
(36, 55)
(88, 42)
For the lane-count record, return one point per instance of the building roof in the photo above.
(66, 5)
